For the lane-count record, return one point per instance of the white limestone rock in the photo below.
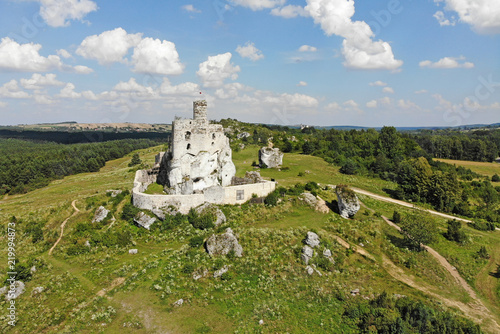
(205, 208)
(133, 251)
(221, 271)
(309, 199)
(37, 290)
(12, 291)
(312, 239)
(100, 214)
(348, 202)
(242, 135)
(271, 157)
(327, 253)
(179, 302)
(114, 192)
(144, 220)
(307, 254)
(224, 243)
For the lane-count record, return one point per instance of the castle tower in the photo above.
(200, 110)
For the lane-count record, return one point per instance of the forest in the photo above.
(28, 165)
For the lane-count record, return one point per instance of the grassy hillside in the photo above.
(484, 168)
(104, 289)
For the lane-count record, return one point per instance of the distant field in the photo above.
(483, 168)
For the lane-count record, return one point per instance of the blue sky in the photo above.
(317, 62)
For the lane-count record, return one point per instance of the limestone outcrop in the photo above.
(224, 243)
(12, 291)
(220, 218)
(144, 220)
(312, 239)
(348, 202)
(100, 214)
(270, 157)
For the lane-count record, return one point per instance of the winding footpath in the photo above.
(63, 224)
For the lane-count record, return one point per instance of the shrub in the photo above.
(196, 242)
(129, 212)
(203, 221)
(396, 217)
(136, 160)
(227, 276)
(483, 253)
(455, 232)
(419, 227)
(323, 263)
(311, 186)
(349, 167)
(495, 178)
(271, 199)
(188, 268)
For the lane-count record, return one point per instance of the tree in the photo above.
(136, 160)
(396, 217)
(349, 167)
(419, 228)
(455, 232)
(495, 178)
(307, 147)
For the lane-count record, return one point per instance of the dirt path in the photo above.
(477, 305)
(63, 224)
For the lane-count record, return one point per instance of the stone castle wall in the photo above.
(216, 195)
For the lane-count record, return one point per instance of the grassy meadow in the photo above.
(104, 289)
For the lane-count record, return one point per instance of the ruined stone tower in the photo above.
(199, 155)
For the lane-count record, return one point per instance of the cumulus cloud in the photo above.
(378, 83)
(351, 104)
(68, 92)
(249, 51)
(11, 90)
(108, 47)
(38, 81)
(358, 48)
(43, 99)
(422, 91)
(388, 90)
(334, 106)
(25, 57)
(156, 57)
(307, 48)
(80, 69)
(185, 88)
(482, 15)
(63, 53)
(230, 91)
(447, 63)
(372, 104)
(289, 11)
(258, 4)
(216, 69)
(58, 13)
(302, 84)
(191, 9)
(442, 20)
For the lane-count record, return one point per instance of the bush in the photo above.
(349, 167)
(495, 178)
(311, 186)
(136, 160)
(196, 242)
(455, 232)
(272, 199)
(201, 222)
(396, 217)
(480, 226)
(129, 211)
(483, 253)
(188, 268)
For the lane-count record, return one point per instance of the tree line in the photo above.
(28, 165)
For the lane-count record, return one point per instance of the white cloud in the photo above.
(372, 104)
(156, 57)
(137, 89)
(289, 11)
(57, 13)
(442, 20)
(43, 99)
(359, 50)
(302, 84)
(216, 69)
(378, 83)
(80, 69)
(249, 51)
(482, 15)
(408, 105)
(422, 91)
(351, 104)
(108, 47)
(230, 91)
(3, 104)
(334, 106)
(258, 4)
(68, 92)
(388, 90)
(307, 48)
(191, 9)
(447, 63)
(11, 90)
(185, 88)
(38, 81)
(25, 57)
(63, 53)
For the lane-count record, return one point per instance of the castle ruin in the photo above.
(196, 169)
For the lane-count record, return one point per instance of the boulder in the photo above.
(253, 177)
(309, 199)
(132, 251)
(327, 253)
(12, 291)
(144, 220)
(312, 239)
(224, 243)
(271, 157)
(242, 135)
(307, 254)
(347, 201)
(100, 214)
(37, 290)
(221, 271)
(205, 208)
(179, 302)
(113, 192)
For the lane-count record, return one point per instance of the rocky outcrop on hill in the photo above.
(270, 157)
(12, 291)
(347, 201)
(144, 220)
(314, 202)
(312, 239)
(100, 214)
(307, 254)
(208, 208)
(224, 243)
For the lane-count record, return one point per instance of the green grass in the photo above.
(484, 168)
(269, 282)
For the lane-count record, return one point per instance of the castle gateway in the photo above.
(197, 168)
